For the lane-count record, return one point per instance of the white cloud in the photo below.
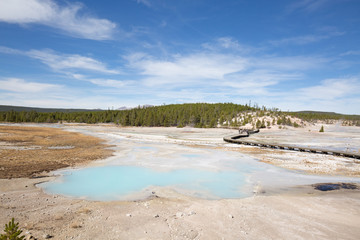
(182, 69)
(331, 89)
(66, 18)
(206, 75)
(257, 81)
(59, 62)
(21, 86)
(69, 61)
(10, 50)
(72, 99)
(218, 77)
(334, 95)
(20, 92)
(227, 42)
(110, 83)
(220, 72)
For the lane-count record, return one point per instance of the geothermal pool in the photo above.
(121, 182)
(143, 165)
(203, 173)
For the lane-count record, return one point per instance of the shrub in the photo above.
(12, 231)
(321, 129)
(295, 124)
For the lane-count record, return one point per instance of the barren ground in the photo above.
(28, 151)
(299, 213)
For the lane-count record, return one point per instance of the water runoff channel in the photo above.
(139, 168)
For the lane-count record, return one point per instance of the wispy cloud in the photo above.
(228, 44)
(145, 2)
(180, 70)
(331, 89)
(66, 18)
(337, 94)
(226, 72)
(288, 64)
(258, 81)
(108, 83)
(54, 97)
(59, 62)
(69, 61)
(21, 86)
(350, 53)
(306, 5)
(104, 82)
(23, 92)
(8, 50)
(207, 74)
(306, 39)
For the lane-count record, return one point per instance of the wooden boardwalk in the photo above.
(240, 139)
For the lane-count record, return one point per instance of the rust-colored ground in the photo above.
(28, 151)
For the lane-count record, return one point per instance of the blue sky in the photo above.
(293, 55)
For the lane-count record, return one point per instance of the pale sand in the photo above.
(332, 215)
(301, 213)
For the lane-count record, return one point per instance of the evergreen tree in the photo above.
(12, 231)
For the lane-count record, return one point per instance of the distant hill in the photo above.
(317, 115)
(6, 108)
(318, 112)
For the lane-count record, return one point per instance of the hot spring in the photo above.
(138, 168)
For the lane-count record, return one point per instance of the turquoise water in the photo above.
(116, 182)
(139, 168)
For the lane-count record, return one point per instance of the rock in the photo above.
(179, 214)
(231, 216)
(191, 213)
(156, 216)
(30, 237)
(128, 215)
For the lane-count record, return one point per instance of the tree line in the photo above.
(200, 115)
(180, 115)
